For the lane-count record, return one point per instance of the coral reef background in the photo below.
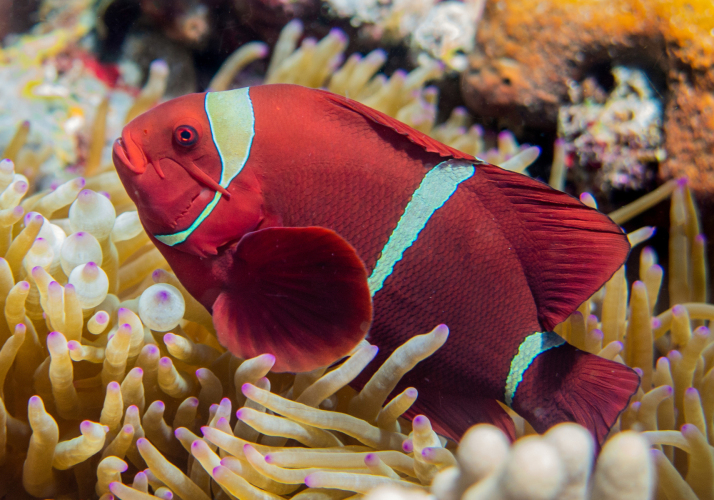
(530, 54)
(111, 380)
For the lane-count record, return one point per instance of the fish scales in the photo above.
(359, 192)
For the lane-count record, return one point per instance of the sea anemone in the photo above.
(114, 383)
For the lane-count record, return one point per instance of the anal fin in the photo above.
(452, 414)
(567, 250)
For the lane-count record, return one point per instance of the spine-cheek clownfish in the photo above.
(304, 221)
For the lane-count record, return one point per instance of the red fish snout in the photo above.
(128, 154)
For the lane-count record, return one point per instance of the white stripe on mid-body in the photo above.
(435, 189)
(232, 123)
(438, 185)
(531, 347)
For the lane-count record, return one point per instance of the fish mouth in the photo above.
(122, 156)
(121, 153)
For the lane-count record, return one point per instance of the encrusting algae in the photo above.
(113, 385)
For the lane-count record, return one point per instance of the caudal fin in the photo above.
(565, 384)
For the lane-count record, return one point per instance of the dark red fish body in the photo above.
(444, 238)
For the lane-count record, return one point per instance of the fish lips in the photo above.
(121, 158)
(161, 217)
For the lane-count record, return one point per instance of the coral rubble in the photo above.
(612, 140)
(528, 52)
(443, 30)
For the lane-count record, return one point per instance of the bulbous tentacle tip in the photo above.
(248, 389)
(86, 196)
(420, 421)
(408, 446)
(29, 216)
(702, 331)
(679, 310)
(160, 66)
(441, 331)
(161, 307)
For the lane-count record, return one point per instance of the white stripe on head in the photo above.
(232, 123)
(233, 127)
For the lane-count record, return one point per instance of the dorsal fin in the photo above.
(566, 249)
(429, 144)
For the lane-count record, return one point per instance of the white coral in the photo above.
(441, 29)
(449, 28)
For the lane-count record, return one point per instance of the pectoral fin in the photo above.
(300, 294)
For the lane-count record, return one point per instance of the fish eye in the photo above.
(185, 135)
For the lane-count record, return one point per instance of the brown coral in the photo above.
(530, 51)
